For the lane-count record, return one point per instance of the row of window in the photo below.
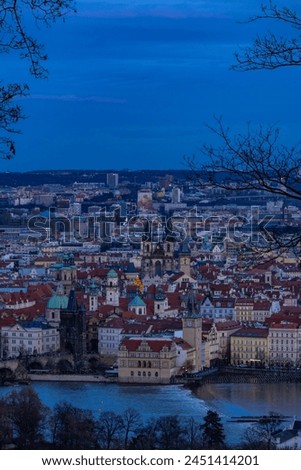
(283, 355)
(29, 335)
(30, 349)
(29, 341)
(141, 354)
(282, 348)
(14, 341)
(281, 341)
(143, 374)
(282, 335)
(147, 364)
(244, 342)
(109, 337)
(247, 350)
(142, 364)
(214, 311)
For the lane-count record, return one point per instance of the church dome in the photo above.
(112, 274)
(57, 301)
(137, 302)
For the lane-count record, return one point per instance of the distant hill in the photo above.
(67, 177)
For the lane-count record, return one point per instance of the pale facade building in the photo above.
(151, 360)
(35, 337)
(284, 340)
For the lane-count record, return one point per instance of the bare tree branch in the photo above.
(253, 161)
(271, 51)
(15, 37)
(10, 114)
(257, 163)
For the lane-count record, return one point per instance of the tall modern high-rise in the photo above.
(176, 195)
(112, 180)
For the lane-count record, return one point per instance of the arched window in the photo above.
(149, 374)
(144, 373)
(156, 374)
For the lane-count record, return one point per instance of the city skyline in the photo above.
(134, 85)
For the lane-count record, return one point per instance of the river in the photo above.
(229, 400)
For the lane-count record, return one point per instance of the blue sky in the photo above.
(132, 84)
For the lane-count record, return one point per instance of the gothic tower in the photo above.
(192, 329)
(73, 327)
(185, 258)
(157, 257)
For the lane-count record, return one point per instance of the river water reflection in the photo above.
(229, 400)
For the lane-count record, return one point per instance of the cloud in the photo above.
(173, 9)
(151, 8)
(79, 99)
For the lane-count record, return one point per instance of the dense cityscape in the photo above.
(150, 210)
(146, 278)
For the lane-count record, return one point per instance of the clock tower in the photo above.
(192, 329)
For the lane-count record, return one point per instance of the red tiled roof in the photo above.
(284, 325)
(227, 325)
(7, 322)
(156, 345)
(244, 301)
(262, 305)
(166, 324)
(252, 332)
(182, 344)
(136, 328)
(174, 300)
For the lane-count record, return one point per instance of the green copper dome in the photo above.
(112, 274)
(57, 302)
(137, 302)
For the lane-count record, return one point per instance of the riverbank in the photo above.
(71, 378)
(225, 375)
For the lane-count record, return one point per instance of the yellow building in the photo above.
(151, 360)
(249, 346)
(244, 310)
